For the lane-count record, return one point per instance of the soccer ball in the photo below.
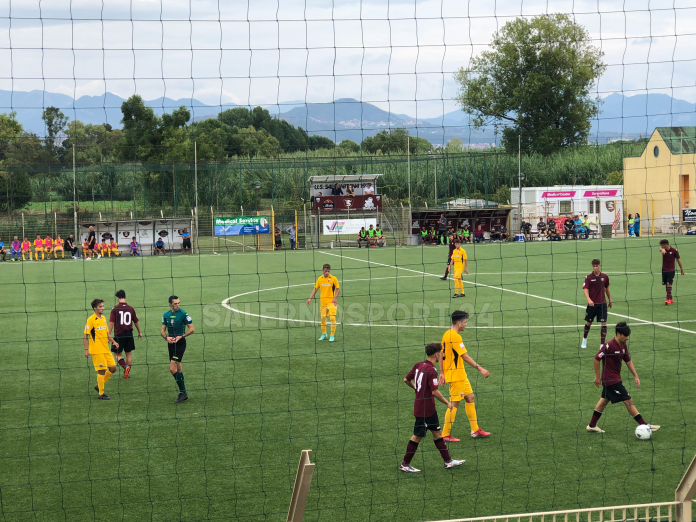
(643, 432)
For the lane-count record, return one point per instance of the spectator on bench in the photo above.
(495, 235)
(569, 228)
(425, 235)
(380, 236)
(466, 235)
(337, 190)
(526, 229)
(362, 238)
(113, 248)
(70, 247)
(134, 248)
(479, 234)
(552, 231)
(16, 249)
(433, 235)
(541, 228)
(371, 237)
(579, 228)
(159, 247)
(504, 234)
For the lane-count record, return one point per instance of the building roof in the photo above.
(680, 140)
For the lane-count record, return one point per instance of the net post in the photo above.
(300, 491)
(685, 493)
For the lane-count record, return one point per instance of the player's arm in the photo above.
(597, 377)
(137, 325)
(111, 339)
(632, 369)
(587, 296)
(680, 265)
(441, 379)
(85, 341)
(163, 333)
(468, 360)
(111, 326)
(608, 296)
(409, 383)
(314, 291)
(439, 397)
(466, 266)
(189, 330)
(335, 297)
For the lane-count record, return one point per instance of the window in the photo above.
(594, 206)
(564, 207)
(656, 151)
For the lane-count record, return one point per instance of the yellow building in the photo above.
(660, 182)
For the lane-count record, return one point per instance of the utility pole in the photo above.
(435, 157)
(195, 170)
(519, 177)
(74, 190)
(408, 151)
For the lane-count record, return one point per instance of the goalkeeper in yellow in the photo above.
(452, 371)
(459, 262)
(329, 290)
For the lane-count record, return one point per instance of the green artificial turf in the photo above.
(262, 390)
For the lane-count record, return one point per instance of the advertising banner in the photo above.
(163, 229)
(242, 225)
(689, 215)
(126, 233)
(559, 194)
(105, 231)
(343, 203)
(360, 188)
(601, 194)
(143, 231)
(344, 227)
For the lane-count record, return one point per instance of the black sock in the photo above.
(410, 451)
(595, 417)
(180, 381)
(639, 418)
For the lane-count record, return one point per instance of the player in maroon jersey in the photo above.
(669, 254)
(595, 286)
(423, 379)
(611, 355)
(123, 316)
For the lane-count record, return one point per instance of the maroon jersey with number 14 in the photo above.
(424, 377)
(123, 316)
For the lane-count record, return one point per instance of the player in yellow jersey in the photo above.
(58, 246)
(26, 248)
(452, 371)
(38, 247)
(329, 290)
(96, 341)
(113, 248)
(460, 264)
(85, 249)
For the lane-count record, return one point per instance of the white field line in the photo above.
(226, 304)
(664, 325)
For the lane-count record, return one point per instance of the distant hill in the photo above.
(347, 118)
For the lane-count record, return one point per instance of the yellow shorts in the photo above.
(458, 273)
(58, 248)
(329, 309)
(459, 390)
(38, 249)
(102, 361)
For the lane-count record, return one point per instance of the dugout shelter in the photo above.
(145, 232)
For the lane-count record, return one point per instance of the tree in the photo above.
(348, 146)
(55, 122)
(615, 178)
(534, 82)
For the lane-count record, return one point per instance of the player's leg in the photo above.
(450, 415)
(597, 413)
(419, 430)
(447, 269)
(323, 313)
(589, 319)
(603, 332)
(332, 318)
(459, 283)
(470, 408)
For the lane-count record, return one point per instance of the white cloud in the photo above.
(395, 53)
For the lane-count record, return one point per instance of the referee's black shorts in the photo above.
(176, 350)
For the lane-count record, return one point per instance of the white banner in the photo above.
(143, 230)
(105, 231)
(163, 229)
(126, 233)
(360, 188)
(342, 227)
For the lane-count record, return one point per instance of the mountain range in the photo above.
(621, 116)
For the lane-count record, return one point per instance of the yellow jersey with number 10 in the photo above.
(452, 362)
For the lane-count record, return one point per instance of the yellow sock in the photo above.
(333, 324)
(100, 383)
(62, 254)
(42, 256)
(449, 420)
(107, 376)
(471, 413)
(323, 325)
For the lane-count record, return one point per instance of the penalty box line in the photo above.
(500, 288)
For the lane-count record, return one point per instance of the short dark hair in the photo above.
(96, 303)
(432, 348)
(664, 242)
(596, 262)
(172, 297)
(457, 240)
(459, 315)
(623, 329)
(121, 294)
(327, 265)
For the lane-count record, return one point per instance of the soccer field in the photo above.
(262, 388)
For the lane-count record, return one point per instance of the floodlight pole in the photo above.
(195, 170)
(519, 177)
(408, 151)
(74, 191)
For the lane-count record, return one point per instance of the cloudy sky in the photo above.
(398, 54)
